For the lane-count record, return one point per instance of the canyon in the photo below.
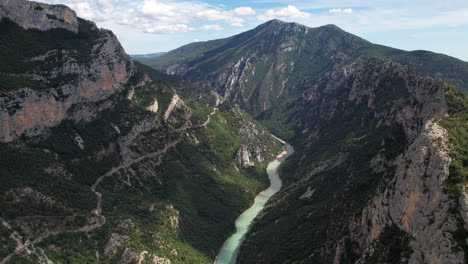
(107, 159)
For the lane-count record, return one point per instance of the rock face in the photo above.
(33, 15)
(381, 187)
(243, 157)
(30, 112)
(463, 200)
(115, 242)
(153, 107)
(416, 203)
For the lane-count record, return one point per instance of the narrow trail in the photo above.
(127, 164)
(204, 124)
(98, 211)
(20, 246)
(208, 120)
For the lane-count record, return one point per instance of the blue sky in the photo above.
(147, 26)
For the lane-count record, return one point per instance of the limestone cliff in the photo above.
(34, 15)
(70, 80)
(369, 184)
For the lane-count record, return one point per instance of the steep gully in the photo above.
(230, 249)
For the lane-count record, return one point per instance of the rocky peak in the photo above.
(32, 15)
(276, 27)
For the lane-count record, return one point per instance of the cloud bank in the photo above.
(181, 16)
(159, 17)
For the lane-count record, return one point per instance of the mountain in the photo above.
(145, 57)
(107, 160)
(374, 180)
(380, 169)
(243, 68)
(103, 161)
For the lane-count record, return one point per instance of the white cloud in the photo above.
(339, 10)
(216, 15)
(244, 11)
(288, 13)
(167, 29)
(212, 14)
(129, 18)
(85, 10)
(166, 16)
(175, 12)
(188, 12)
(158, 16)
(382, 20)
(212, 27)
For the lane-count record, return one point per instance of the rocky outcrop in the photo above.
(160, 260)
(463, 201)
(243, 157)
(415, 202)
(153, 107)
(30, 112)
(115, 242)
(33, 15)
(129, 256)
(175, 102)
(173, 217)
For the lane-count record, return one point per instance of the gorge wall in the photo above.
(372, 180)
(89, 67)
(102, 161)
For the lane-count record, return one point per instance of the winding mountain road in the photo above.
(98, 211)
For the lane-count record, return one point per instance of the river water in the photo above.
(228, 253)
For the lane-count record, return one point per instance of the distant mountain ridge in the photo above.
(145, 57)
(228, 64)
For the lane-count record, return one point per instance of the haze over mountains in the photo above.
(108, 160)
(144, 57)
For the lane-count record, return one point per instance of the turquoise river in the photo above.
(228, 253)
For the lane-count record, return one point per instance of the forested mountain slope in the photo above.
(380, 168)
(102, 161)
(270, 65)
